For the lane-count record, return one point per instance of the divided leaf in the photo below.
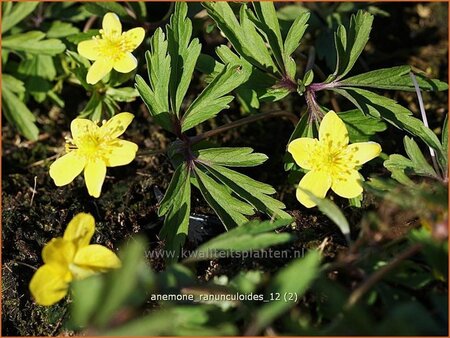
(176, 206)
(184, 54)
(232, 157)
(212, 100)
(402, 167)
(349, 45)
(395, 78)
(33, 42)
(361, 127)
(156, 95)
(16, 112)
(251, 236)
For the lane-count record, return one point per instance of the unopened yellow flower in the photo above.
(331, 161)
(92, 149)
(112, 49)
(70, 258)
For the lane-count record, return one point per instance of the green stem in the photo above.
(278, 113)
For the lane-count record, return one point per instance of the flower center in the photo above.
(91, 145)
(113, 45)
(332, 159)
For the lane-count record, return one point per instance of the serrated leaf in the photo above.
(269, 25)
(251, 236)
(17, 12)
(212, 100)
(230, 210)
(243, 36)
(176, 206)
(332, 211)
(254, 192)
(156, 95)
(101, 8)
(349, 45)
(33, 42)
(123, 94)
(183, 55)
(402, 167)
(231, 157)
(15, 111)
(295, 34)
(396, 78)
(361, 127)
(59, 29)
(293, 279)
(399, 116)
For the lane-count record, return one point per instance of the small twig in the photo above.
(143, 153)
(311, 59)
(42, 161)
(425, 120)
(25, 264)
(278, 113)
(89, 23)
(34, 191)
(379, 274)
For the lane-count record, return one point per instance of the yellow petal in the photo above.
(94, 175)
(117, 125)
(97, 257)
(360, 153)
(89, 49)
(58, 252)
(134, 37)
(333, 131)
(125, 64)
(80, 127)
(316, 182)
(301, 150)
(122, 152)
(66, 168)
(348, 185)
(111, 24)
(49, 284)
(80, 230)
(98, 70)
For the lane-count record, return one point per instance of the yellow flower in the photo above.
(112, 49)
(331, 161)
(92, 149)
(70, 258)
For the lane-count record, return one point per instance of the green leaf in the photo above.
(402, 167)
(243, 36)
(87, 298)
(230, 210)
(295, 34)
(183, 54)
(396, 78)
(349, 45)
(15, 111)
(38, 66)
(124, 94)
(33, 43)
(268, 23)
(293, 280)
(212, 100)
(254, 192)
(123, 282)
(18, 12)
(254, 235)
(361, 127)
(332, 211)
(379, 106)
(59, 29)
(101, 8)
(444, 141)
(231, 157)
(176, 206)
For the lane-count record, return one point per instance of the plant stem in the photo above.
(425, 120)
(379, 274)
(277, 113)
